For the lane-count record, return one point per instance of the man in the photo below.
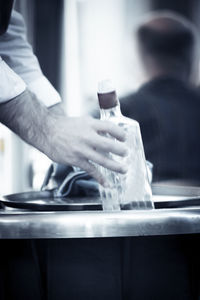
(29, 106)
(167, 105)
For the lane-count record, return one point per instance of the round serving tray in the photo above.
(163, 197)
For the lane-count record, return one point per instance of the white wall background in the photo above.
(99, 44)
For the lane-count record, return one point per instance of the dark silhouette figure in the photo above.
(167, 105)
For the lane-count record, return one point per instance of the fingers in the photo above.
(109, 145)
(111, 128)
(93, 171)
(105, 161)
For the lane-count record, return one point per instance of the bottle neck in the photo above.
(110, 112)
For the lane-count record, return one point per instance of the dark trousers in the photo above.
(141, 268)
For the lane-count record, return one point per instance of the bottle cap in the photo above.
(106, 94)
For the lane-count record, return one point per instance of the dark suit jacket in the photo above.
(168, 111)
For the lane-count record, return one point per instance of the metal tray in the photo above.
(44, 201)
(163, 197)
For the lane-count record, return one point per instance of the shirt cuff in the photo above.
(11, 85)
(44, 91)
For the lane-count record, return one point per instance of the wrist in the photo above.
(57, 109)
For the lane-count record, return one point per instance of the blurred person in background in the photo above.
(167, 105)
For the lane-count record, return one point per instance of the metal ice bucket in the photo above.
(35, 215)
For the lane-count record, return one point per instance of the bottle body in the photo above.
(131, 190)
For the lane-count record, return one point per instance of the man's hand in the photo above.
(74, 141)
(79, 142)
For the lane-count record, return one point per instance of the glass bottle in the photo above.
(131, 190)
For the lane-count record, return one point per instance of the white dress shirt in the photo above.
(11, 85)
(19, 67)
